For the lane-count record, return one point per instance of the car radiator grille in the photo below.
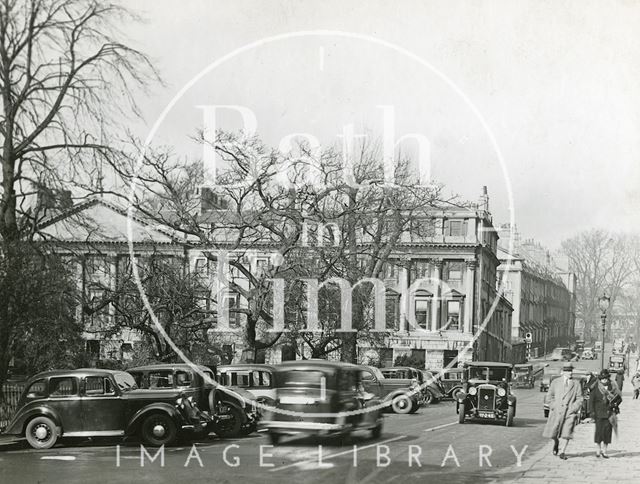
(486, 398)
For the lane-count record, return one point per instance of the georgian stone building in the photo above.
(441, 296)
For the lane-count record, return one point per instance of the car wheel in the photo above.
(429, 398)
(454, 392)
(461, 413)
(229, 427)
(376, 432)
(402, 404)
(158, 429)
(41, 433)
(249, 429)
(511, 412)
(274, 438)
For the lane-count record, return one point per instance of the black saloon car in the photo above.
(486, 393)
(231, 411)
(321, 398)
(98, 403)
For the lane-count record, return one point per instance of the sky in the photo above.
(537, 100)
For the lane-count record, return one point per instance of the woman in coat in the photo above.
(565, 400)
(604, 400)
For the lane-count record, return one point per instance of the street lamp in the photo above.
(603, 303)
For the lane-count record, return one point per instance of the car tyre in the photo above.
(41, 433)
(511, 412)
(402, 404)
(231, 427)
(461, 413)
(249, 429)
(376, 432)
(158, 429)
(274, 438)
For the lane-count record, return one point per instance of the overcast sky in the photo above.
(556, 83)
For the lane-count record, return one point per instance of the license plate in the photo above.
(485, 414)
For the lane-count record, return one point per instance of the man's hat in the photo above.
(604, 373)
(567, 367)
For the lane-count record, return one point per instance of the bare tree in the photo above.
(67, 79)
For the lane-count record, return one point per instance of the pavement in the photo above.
(582, 465)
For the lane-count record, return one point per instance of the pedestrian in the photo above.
(565, 402)
(604, 402)
(620, 378)
(635, 381)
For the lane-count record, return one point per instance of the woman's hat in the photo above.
(604, 373)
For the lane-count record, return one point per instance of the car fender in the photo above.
(404, 391)
(18, 423)
(511, 400)
(140, 415)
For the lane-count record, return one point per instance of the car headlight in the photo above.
(190, 398)
(179, 402)
(473, 391)
(501, 392)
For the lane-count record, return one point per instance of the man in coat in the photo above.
(565, 400)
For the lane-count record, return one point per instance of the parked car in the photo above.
(254, 377)
(548, 376)
(587, 379)
(402, 395)
(523, 376)
(318, 397)
(450, 380)
(486, 393)
(232, 412)
(617, 363)
(562, 354)
(429, 385)
(99, 403)
(588, 354)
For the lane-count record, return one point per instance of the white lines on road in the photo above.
(338, 454)
(57, 457)
(440, 427)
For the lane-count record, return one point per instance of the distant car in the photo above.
(317, 397)
(431, 390)
(403, 394)
(588, 354)
(254, 377)
(523, 376)
(450, 381)
(486, 393)
(99, 403)
(562, 354)
(548, 376)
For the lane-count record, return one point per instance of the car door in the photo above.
(102, 406)
(64, 399)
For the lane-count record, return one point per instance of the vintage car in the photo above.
(617, 363)
(320, 397)
(486, 393)
(548, 376)
(429, 385)
(401, 395)
(254, 377)
(523, 376)
(99, 403)
(587, 379)
(588, 354)
(562, 354)
(232, 412)
(450, 380)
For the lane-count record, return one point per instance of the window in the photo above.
(98, 385)
(240, 379)
(422, 312)
(38, 389)
(454, 271)
(161, 379)
(367, 376)
(261, 267)
(63, 387)
(453, 315)
(183, 378)
(392, 311)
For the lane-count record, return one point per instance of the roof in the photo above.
(173, 366)
(242, 366)
(489, 363)
(97, 220)
(79, 372)
(316, 365)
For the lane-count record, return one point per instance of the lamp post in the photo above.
(603, 303)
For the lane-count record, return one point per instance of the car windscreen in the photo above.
(487, 373)
(125, 381)
(300, 378)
